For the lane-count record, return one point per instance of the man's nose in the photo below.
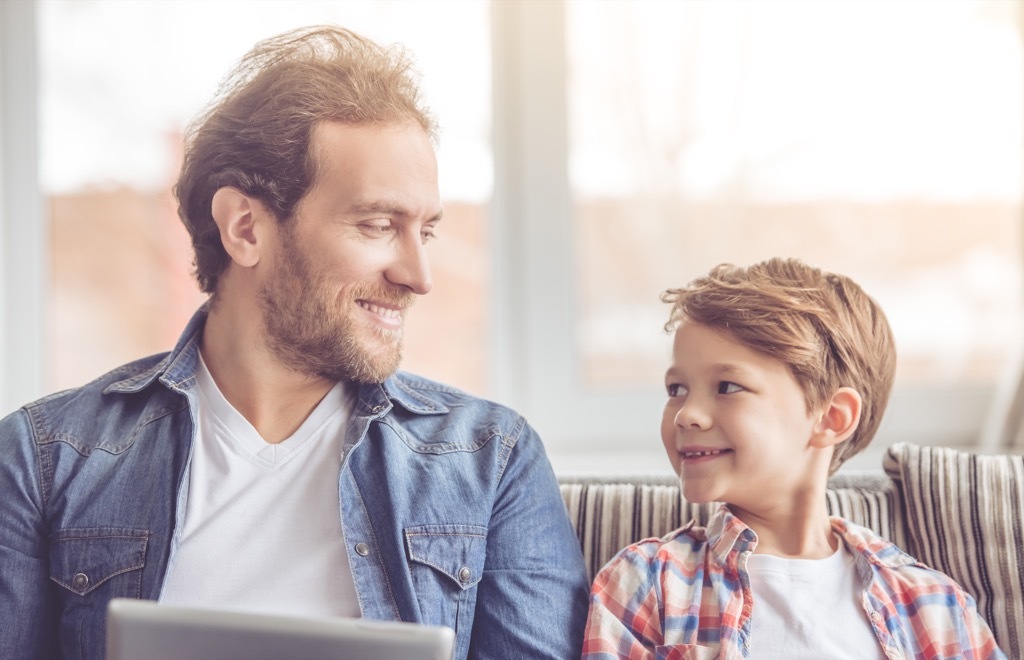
(411, 267)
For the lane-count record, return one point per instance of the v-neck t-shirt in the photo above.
(262, 529)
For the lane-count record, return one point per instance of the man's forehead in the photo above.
(376, 167)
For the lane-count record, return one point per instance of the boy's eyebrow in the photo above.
(719, 368)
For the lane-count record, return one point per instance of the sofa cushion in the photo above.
(610, 514)
(964, 518)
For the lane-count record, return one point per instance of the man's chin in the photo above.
(378, 363)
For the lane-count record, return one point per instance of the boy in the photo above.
(780, 373)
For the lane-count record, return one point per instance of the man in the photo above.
(274, 460)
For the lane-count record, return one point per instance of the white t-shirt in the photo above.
(262, 529)
(809, 608)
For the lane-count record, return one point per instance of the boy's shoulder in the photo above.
(670, 572)
(688, 549)
(680, 552)
(899, 571)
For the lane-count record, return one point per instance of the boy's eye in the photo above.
(675, 390)
(725, 387)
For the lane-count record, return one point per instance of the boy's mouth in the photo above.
(703, 453)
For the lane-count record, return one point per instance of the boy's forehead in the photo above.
(700, 345)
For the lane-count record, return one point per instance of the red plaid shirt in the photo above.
(683, 596)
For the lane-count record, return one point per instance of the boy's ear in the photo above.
(237, 216)
(839, 418)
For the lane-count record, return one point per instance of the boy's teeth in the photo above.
(698, 454)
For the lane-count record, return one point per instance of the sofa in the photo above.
(956, 511)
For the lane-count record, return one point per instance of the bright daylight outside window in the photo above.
(119, 82)
(881, 140)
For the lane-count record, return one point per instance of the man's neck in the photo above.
(276, 400)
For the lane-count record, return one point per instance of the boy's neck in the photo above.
(796, 532)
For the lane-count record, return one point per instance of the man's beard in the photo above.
(312, 331)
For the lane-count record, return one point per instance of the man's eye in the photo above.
(428, 234)
(379, 227)
(725, 387)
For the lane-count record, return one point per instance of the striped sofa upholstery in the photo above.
(959, 512)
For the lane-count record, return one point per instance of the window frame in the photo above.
(24, 244)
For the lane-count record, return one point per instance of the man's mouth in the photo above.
(392, 313)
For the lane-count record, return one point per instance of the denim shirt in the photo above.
(450, 509)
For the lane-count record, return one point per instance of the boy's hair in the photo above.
(257, 135)
(823, 326)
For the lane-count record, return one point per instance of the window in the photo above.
(880, 140)
(592, 154)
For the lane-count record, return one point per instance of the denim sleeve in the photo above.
(532, 600)
(28, 629)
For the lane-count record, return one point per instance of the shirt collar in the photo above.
(872, 547)
(178, 368)
(728, 536)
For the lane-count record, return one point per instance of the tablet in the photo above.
(146, 629)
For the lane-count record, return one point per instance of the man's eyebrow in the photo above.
(387, 208)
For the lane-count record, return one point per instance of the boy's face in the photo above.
(736, 425)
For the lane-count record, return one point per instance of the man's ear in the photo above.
(237, 216)
(839, 418)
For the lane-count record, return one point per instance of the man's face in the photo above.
(344, 270)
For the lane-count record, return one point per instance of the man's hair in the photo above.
(257, 135)
(821, 325)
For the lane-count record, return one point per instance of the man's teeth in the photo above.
(699, 454)
(386, 312)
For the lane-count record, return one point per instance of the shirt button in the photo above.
(875, 616)
(465, 574)
(362, 549)
(80, 581)
(377, 409)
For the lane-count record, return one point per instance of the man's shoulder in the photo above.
(411, 389)
(99, 385)
(71, 412)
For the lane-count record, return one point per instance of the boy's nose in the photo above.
(692, 416)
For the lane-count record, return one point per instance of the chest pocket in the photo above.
(84, 560)
(93, 565)
(446, 563)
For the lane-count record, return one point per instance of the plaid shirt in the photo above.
(688, 596)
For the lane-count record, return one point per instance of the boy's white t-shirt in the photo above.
(262, 529)
(809, 608)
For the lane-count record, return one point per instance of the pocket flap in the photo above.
(83, 559)
(457, 551)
